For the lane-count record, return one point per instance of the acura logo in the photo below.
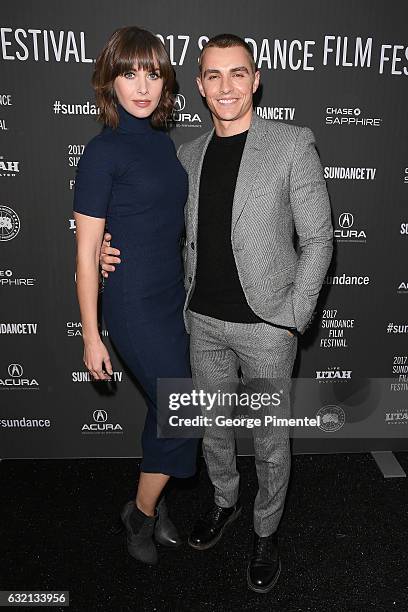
(15, 370)
(346, 220)
(179, 103)
(100, 416)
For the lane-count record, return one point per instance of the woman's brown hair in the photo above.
(126, 48)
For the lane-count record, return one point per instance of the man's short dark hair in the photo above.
(224, 41)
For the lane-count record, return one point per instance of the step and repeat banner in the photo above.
(340, 68)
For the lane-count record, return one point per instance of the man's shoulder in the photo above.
(285, 132)
(188, 148)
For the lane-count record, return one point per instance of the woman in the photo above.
(129, 177)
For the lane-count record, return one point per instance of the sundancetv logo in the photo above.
(278, 113)
(18, 328)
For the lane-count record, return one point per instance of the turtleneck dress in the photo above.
(131, 177)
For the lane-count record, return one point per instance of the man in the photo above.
(249, 293)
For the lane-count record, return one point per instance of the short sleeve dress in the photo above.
(131, 177)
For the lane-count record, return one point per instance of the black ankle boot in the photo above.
(165, 531)
(139, 529)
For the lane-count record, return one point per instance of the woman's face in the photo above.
(139, 91)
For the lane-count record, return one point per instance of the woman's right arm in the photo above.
(89, 232)
(93, 189)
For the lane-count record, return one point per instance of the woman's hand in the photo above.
(97, 360)
(108, 256)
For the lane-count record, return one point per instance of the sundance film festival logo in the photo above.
(74, 154)
(350, 116)
(8, 168)
(9, 223)
(182, 118)
(400, 365)
(346, 233)
(336, 328)
(101, 424)
(16, 380)
(400, 369)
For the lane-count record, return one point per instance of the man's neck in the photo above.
(231, 128)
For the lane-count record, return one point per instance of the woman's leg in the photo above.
(148, 491)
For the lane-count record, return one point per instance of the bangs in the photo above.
(140, 52)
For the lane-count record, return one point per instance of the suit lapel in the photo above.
(249, 167)
(195, 175)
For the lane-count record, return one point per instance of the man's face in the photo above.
(227, 82)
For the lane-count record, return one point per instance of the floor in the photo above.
(343, 539)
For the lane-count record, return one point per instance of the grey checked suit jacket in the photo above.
(280, 187)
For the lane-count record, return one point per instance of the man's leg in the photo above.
(214, 368)
(267, 354)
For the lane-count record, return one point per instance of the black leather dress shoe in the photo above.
(209, 529)
(265, 565)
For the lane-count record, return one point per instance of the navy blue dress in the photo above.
(131, 176)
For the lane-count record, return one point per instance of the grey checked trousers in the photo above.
(264, 353)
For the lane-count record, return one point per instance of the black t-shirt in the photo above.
(218, 292)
